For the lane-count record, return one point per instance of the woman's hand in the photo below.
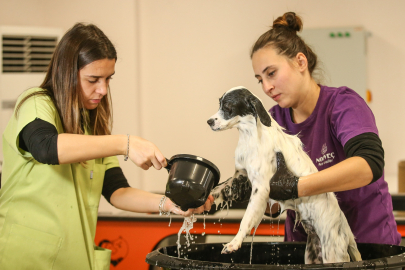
(239, 190)
(283, 184)
(145, 154)
(171, 207)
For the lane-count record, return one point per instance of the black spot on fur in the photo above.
(255, 191)
(314, 247)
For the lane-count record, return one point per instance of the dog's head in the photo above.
(238, 105)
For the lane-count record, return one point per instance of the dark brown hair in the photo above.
(80, 46)
(284, 39)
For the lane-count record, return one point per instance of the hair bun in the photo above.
(288, 20)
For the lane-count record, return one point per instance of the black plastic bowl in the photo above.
(190, 180)
(278, 255)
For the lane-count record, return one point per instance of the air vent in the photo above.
(27, 53)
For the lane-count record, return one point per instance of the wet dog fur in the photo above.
(330, 238)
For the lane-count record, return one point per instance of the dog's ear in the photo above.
(258, 107)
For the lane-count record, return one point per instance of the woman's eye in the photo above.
(271, 73)
(92, 80)
(260, 81)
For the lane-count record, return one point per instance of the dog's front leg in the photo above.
(253, 215)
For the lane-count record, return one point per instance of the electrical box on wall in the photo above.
(26, 53)
(342, 52)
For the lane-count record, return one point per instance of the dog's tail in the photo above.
(353, 251)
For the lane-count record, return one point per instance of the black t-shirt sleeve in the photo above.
(40, 138)
(114, 179)
(368, 146)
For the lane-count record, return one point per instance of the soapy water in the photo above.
(222, 206)
(251, 245)
(188, 224)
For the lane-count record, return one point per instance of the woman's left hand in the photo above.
(170, 206)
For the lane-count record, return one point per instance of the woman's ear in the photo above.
(302, 61)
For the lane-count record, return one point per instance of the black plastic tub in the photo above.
(278, 255)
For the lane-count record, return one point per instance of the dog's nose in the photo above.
(211, 121)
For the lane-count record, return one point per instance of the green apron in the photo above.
(48, 213)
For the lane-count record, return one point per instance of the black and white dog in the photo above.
(330, 238)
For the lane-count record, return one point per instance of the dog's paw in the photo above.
(230, 247)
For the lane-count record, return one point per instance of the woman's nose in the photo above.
(103, 89)
(267, 87)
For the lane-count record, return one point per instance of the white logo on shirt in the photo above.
(326, 157)
(324, 149)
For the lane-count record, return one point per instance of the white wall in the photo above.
(177, 57)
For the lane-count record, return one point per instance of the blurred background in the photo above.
(177, 57)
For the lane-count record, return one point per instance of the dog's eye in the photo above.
(227, 108)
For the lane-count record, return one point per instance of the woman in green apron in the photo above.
(60, 156)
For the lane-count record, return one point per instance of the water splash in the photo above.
(222, 204)
(188, 224)
(251, 245)
(278, 225)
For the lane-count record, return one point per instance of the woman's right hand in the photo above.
(145, 154)
(172, 207)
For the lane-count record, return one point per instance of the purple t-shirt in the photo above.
(339, 115)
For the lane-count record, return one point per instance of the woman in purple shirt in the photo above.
(338, 131)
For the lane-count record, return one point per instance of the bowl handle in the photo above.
(169, 165)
